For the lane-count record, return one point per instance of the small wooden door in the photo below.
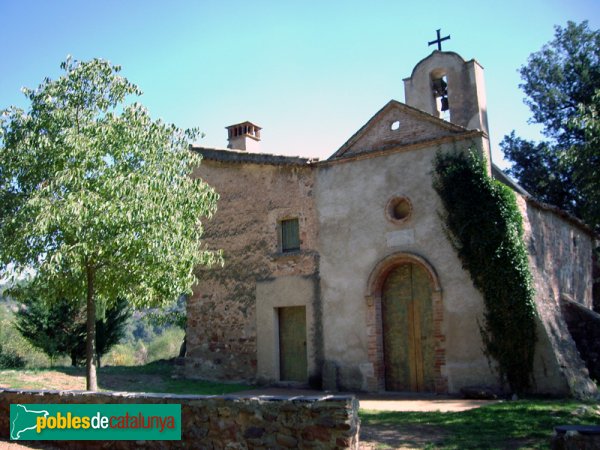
(407, 317)
(292, 344)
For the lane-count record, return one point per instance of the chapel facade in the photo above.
(339, 274)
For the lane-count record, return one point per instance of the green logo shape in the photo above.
(113, 422)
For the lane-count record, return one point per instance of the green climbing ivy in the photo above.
(485, 226)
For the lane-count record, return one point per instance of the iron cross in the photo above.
(439, 40)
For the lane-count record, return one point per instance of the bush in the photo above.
(10, 360)
(166, 345)
(13, 343)
(121, 355)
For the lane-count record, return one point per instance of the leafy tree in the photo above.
(96, 197)
(560, 82)
(585, 159)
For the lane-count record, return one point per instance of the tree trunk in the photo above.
(183, 348)
(90, 347)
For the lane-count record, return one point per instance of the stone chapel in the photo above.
(338, 273)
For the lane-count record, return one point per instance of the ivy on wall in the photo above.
(485, 227)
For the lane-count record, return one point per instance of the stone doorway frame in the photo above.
(375, 325)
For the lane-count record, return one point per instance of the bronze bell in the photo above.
(444, 103)
(439, 87)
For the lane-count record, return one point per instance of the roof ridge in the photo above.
(233, 156)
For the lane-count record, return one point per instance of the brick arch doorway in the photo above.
(404, 325)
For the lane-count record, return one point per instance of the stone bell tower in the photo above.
(446, 86)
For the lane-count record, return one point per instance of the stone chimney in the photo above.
(244, 136)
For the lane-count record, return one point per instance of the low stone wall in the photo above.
(584, 326)
(576, 437)
(219, 422)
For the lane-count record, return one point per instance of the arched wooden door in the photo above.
(408, 345)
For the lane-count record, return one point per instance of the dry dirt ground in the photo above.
(56, 380)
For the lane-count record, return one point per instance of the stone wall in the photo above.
(256, 193)
(560, 258)
(584, 326)
(327, 422)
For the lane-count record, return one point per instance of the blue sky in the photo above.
(310, 73)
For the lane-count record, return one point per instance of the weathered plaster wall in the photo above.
(221, 334)
(324, 422)
(561, 252)
(413, 127)
(355, 235)
(282, 292)
(560, 258)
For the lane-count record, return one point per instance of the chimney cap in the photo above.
(244, 136)
(247, 122)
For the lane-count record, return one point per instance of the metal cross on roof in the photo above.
(439, 40)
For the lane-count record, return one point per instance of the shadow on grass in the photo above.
(517, 424)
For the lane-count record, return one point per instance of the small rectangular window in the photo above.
(290, 235)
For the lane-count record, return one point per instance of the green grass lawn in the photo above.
(155, 377)
(511, 424)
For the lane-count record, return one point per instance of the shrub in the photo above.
(10, 360)
(14, 344)
(166, 345)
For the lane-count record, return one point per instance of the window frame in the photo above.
(289, 243)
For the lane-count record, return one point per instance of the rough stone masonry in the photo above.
(219, 422)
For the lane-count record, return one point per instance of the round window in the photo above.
(399, 209)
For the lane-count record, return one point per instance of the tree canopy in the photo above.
(96, 197)
(562, 84)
